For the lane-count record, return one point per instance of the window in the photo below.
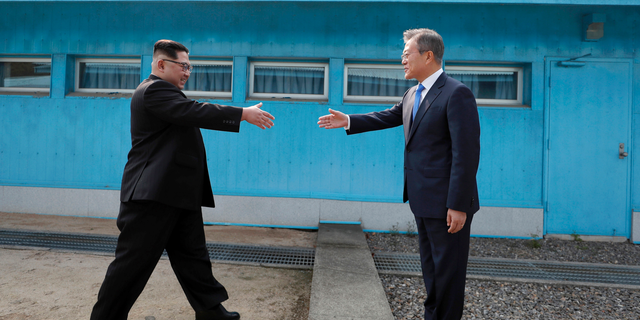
(25, 74)
(371, 82)
(107, 75)
(210, 78)
(491, 85)
(289, 80)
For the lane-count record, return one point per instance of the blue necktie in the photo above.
(416, 104)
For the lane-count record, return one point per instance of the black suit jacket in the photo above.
(442, 147)
(167, 161)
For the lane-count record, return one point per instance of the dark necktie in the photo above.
(416, 104)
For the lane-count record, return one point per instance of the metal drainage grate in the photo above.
(299, 257)
(289, 257)
(103, 244)
(623, 275)
(538, 270)
(392, 262)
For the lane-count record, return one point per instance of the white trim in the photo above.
(273, 211)
(324, 96)
(27, 89)
(351, 98)
(493, 70)
(105, 61)
(221, 94)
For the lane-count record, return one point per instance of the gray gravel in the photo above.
(510, 300)
(622, 253)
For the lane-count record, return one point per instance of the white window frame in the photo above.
(350, 98)
(220, 94)
(296, 96)
(27, 89)
(499, 102)
(101, 60)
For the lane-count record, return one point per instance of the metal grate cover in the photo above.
(537, 270)
(277, 256)
(299, 257)
(103, 244)
(385, 262)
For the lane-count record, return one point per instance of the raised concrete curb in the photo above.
(345, 281)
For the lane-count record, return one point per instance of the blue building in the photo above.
(556, 82)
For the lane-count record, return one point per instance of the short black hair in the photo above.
(169, 48)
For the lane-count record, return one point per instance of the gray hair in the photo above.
(426, 40)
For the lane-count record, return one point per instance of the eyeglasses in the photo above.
(406, 55)
(185, 66)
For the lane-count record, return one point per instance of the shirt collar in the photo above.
(428, 82)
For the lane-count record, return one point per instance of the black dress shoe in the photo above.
(217, 313)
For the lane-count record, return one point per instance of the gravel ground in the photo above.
(509, 300)
(622, 253)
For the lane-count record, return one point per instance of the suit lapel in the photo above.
(432, 95)
(407, 106)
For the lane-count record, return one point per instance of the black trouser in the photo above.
(444, 259)
(146, 229)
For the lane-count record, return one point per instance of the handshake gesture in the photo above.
(257, 116)
(262, 119)
(335, 119)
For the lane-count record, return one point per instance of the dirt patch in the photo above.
(39, 285)
(46, 284)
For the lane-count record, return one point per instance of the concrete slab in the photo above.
(341, 235)
(345, 281)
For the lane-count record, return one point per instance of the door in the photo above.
(589, 104)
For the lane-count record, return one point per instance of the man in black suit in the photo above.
(164, 185)
(442, 151)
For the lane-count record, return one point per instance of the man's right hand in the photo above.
(335, 119)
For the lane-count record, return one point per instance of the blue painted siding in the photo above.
(81, 142)
(63, 143)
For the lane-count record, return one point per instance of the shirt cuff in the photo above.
(348, 123)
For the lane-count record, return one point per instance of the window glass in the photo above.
(95, 75)
(35, 74)
(491, 84)
(371, 81)
(295, 80)
(374, 82)
(210, 77)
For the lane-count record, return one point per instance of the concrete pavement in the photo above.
(345, 281)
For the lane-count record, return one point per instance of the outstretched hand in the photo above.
(335, 119)
(257, 117)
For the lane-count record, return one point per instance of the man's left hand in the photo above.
(257, 117)
(455, 220)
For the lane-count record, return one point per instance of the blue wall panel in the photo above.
(511, 144)
(64, 143)
(297, 159)
(81, 142)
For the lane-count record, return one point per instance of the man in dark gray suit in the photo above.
(164, 185)
(441, 155)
